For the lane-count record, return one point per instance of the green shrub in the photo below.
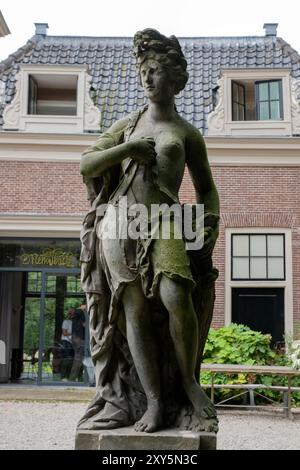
(238, 344)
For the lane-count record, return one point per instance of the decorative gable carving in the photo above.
(12, 112)
(91, 114)
(295, 99)
(216, 119)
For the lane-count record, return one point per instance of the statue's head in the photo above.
(149, 44)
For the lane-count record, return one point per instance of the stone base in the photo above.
(128, 439)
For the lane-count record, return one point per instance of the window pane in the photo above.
(258, 268)
(34, 282)
(275, 268)
(263, 91)
(241, 94)
(235, 92)
(275, 245)
(275, 110)
(51, 283)
(240, 268)
(264, 110)
(240, 245)
(258, 245)
(241, 113)
(274, 90)
(235, 116)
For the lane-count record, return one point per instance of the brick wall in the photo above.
(250, 197)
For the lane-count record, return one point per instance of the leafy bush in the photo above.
(238, 344)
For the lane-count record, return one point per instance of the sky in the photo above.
(125, 17)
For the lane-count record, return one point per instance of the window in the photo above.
(258, 257)
(52, 99)
(268, 100)
(74, 285)
(238, 102)
(52, 95)
(257, 100)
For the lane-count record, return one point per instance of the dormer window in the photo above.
(52, 95)
(54, 99)
(252, 102)
(256, 100)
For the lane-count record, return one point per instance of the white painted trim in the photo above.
(40, 226)
(222, 151)
(287, 284)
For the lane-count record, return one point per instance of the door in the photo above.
(262, 309)
(63, 331)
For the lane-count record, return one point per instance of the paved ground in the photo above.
(36, 425)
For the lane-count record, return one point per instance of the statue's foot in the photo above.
(203, 422)
(204, 416)
(151, 421)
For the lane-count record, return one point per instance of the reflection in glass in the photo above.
(276, 268)
(264, 110)
(263, 91)
(258, 245)
(240, 245)
(240, 268)
(258, 268)
(275, 245)
(275, 110)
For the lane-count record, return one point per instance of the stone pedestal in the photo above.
(128, 439)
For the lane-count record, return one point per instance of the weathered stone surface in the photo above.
(127, 439)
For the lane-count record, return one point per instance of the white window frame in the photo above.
(287, 284)
(220, 120)
(16, 115)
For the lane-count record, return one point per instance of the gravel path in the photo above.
(33, 425)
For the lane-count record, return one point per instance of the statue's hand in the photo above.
(143, 150)
(211, 233)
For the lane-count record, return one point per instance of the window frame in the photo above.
(258, 101)
(249, 257)
(233, 102)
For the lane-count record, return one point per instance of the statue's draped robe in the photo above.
(120, 399)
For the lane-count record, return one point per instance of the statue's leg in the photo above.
(141, 343)
(183, 322)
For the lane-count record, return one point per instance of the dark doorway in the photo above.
(262, 309)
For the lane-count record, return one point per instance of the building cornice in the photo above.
(228, 151)
(40, 225)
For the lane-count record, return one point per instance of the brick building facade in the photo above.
(255, 163)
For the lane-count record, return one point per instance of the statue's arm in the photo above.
(110, 149)
(106, 152)
(199, 169)
(206, 191)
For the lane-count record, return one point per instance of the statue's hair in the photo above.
(150, 44)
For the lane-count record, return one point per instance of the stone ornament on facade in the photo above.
(92, 115)
(295, 98)
(11, 114)
(216, 120)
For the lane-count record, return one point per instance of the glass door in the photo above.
(64, 330)
(56, 339)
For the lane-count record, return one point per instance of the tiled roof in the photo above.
(114, 76)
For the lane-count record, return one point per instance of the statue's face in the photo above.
(156, 81)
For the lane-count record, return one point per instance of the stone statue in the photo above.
(150, 301)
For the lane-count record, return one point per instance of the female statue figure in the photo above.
(150, 301)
